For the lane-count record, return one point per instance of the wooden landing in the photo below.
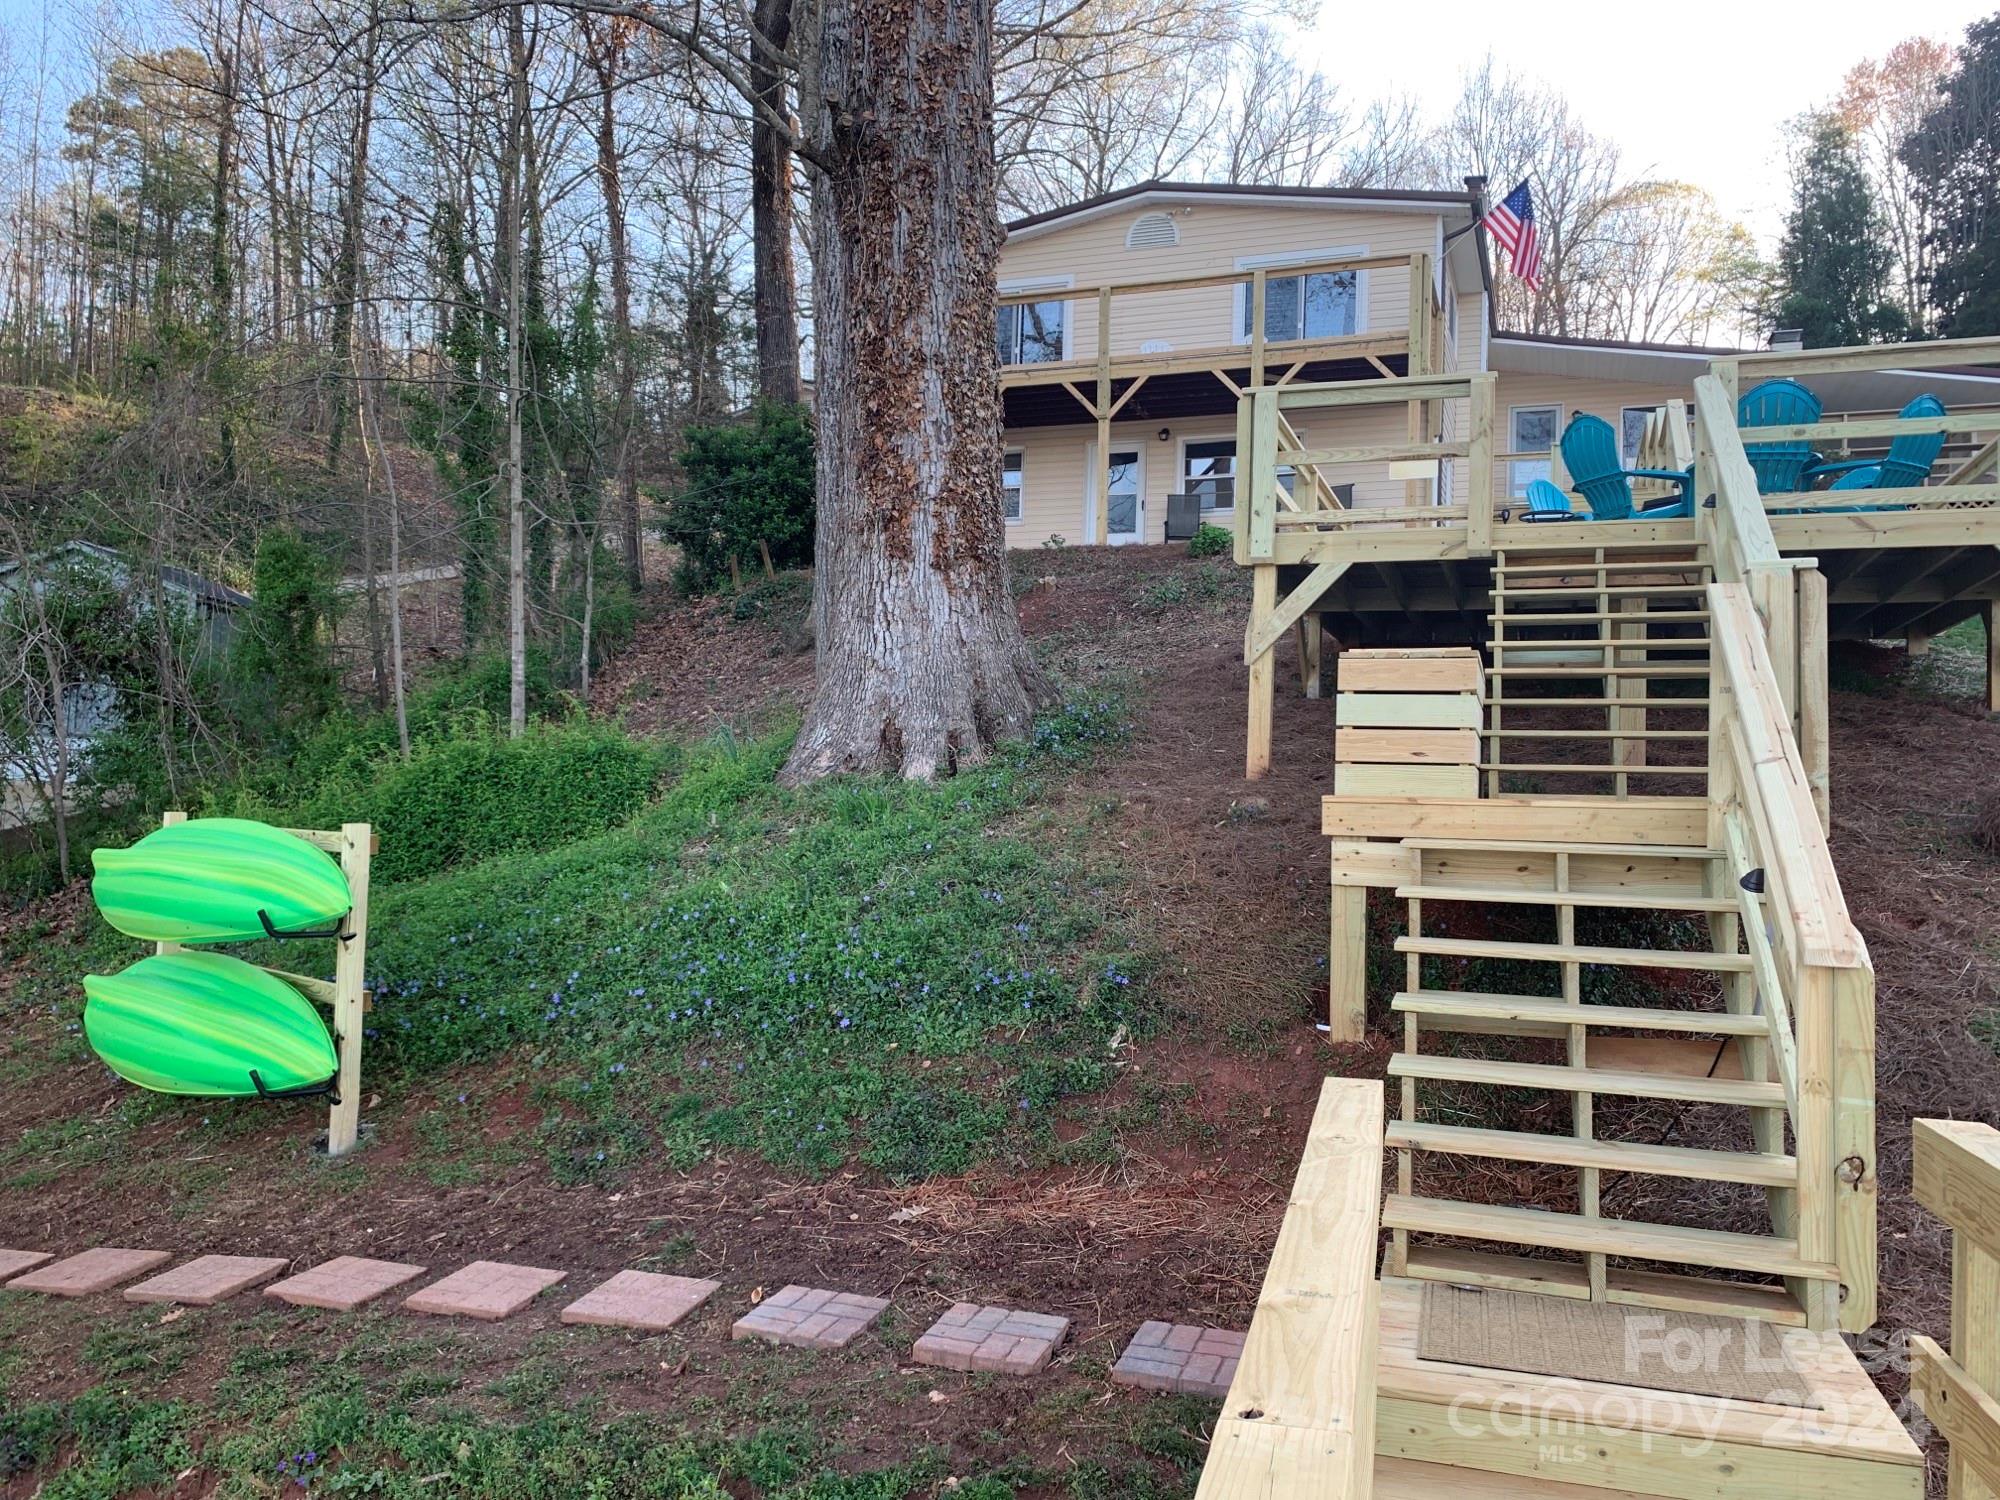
(1542, 1436)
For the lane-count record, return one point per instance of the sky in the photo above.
(1694, 90)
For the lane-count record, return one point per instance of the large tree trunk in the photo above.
(775, 290)
(605, 50)
(922, 665)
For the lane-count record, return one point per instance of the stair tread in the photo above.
(1616, 1156)
(1548, 1008)
(1628, 643)
(1571, 846)
(1516, 896)
(1676, 669)
(1579, 616)
(1660, 703)
(1621, 564)
(1638, 958)
(1560, 1078)
(1586, 591)
(1635, 1237)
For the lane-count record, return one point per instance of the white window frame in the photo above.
(1631, 460)
(1021, 489)
(1182, 443)
(1239, 307)
(1048, 284)
(1518, 479)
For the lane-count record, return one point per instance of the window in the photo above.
(1010, 486)
(1632, 432)
(1121, 493)
(1151, 231)
(1029, 333)
(1533, 431)
(1320, 306)
(1208, 469)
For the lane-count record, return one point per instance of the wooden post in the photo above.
(1629, 718)
(343, 1125)
(1257, 299)
(1309, 654)
(1991, 609)
(1917, 643)
(1479, 468)
(1103, 415)
(1263, 672)
(1815, 746)
(1347, 962)
(1956, 1175)
(1813, 1131)
(1419, 363)
(1855, 1188)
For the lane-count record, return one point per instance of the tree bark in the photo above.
(605, 53)
(775, 289)
(517, 504)
(922, 664)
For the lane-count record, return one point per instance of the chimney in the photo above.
(1787, 340)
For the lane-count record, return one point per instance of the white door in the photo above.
(1124, 497)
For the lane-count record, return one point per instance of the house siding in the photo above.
(1601, 398)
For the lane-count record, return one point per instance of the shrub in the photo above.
(747, 482)
(469, 792)
(1209, 541)
(283, 664)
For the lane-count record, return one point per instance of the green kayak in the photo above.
(205, 1023)
(207, 881)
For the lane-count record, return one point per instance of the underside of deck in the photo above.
(1407, 587)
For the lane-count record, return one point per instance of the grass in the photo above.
(914, 976)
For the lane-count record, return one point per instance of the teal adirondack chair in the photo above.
(1597, 472)
(1547, 503)
(1908, 463)
(1780, 467)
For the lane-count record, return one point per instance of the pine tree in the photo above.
(1835, 260)
(1955, 159)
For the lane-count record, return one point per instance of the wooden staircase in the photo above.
(1583, 632)
(1707, 1041)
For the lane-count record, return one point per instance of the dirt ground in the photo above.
(1230, 878)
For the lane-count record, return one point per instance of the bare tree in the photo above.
(1882, 103)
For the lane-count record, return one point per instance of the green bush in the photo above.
(747, 482)
(284, 674)
(1209, 541)
(469, 792)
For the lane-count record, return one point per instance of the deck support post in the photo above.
(1100, 481)
(1814, 732)
(1854, 1187)
(1991, 611)
(1347, 962)
(1263, 671)
(1309, 655)
(1917, 642)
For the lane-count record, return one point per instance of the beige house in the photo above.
(1099, 433)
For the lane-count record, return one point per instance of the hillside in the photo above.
(1102, 1122)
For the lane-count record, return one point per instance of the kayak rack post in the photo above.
(354, 846)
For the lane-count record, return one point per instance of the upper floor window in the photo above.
(1322, 305)
(1029, 333)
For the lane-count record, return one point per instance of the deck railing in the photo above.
(1956, 1175)
(1299, 1419)
(1956, 486)
(1809, 976)
(1276, 524)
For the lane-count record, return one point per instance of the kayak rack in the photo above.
(353, 846)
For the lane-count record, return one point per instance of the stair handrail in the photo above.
(1300, 1415)
(1809, 964)
(1729, 513)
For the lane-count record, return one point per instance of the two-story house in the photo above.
(1101, 432)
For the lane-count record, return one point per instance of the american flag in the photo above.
(1511, 222)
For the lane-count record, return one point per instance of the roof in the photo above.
(1157, 188)
(207, 590)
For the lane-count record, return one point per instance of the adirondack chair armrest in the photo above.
(1816, 472)
(1671, 476)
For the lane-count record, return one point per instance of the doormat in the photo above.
(1695, 1354)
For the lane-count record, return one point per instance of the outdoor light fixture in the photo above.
(1164, 434)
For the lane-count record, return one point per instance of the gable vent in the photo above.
(1151, 231)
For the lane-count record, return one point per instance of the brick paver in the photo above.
(810, 1316)
(14, 1262)
(93, 1271)
(343, 1283)
(644, 1300)
(488, 1289)
(1180, 1357)
(1002, 1340)
(208, 1279)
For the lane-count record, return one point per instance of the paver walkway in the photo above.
(1180, 1357)
(14, 1262)
(641, 1299)
(207, 1279)
(486, 1289)
(811, 1317)
(92, 1271)
(1000, 1340)
(343, 1283)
